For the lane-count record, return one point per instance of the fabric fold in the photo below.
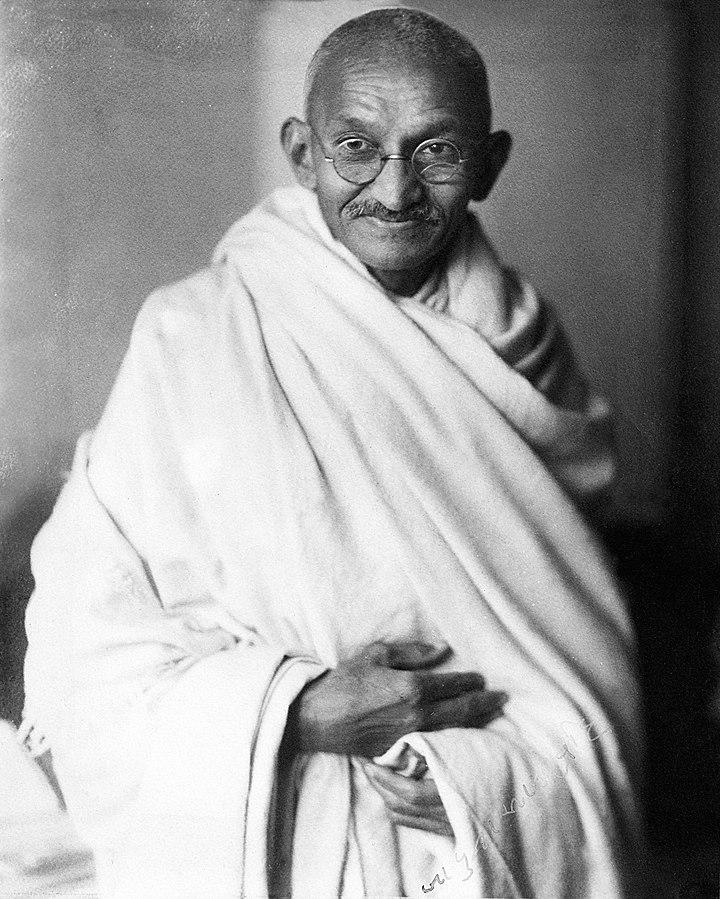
(164, 728)
(291, 465)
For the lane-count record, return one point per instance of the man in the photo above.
(336, 512)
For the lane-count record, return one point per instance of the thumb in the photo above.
(408, 655)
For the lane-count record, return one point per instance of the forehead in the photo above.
(393, 97)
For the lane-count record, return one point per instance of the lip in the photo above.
(405, 225)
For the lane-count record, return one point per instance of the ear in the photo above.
(295, 137)
(495, 155)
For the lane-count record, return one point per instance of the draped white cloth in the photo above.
(293, 464)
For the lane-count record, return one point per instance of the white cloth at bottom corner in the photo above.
(153, 716)
(291, 465)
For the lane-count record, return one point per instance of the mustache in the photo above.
(421, 212)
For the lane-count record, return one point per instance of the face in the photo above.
(397, 225)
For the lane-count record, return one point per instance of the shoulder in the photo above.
(200, 299)
(193, 315)
(250, 253)
(189, 303)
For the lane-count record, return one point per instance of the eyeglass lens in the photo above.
(435, 161)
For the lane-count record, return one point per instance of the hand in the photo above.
(382, 693)
(410, 802)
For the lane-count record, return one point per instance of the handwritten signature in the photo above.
(438, 880)
(516, 802)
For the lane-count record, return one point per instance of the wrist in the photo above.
(299, 725)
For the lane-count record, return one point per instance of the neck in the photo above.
(403, 283)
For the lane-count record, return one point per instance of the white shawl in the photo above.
(291, 465)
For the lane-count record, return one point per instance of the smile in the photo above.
(388, 225)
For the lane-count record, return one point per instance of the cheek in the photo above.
(332, 199)
(453, 204)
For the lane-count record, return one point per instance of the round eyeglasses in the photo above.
(434, 161)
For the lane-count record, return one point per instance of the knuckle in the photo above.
(473, 704)
(375, 653)
(412, 688)
(394, 803)
(412, 794)
(409, 795)
(479, 708)
(414, 719)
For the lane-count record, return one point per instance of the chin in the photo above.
(402, 262)
(395, 258)
(393, 264)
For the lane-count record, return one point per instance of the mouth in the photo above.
(392, 225)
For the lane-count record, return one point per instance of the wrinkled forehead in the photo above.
(384, 90)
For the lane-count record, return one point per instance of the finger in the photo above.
(469, 710)
(406, 654)
(449, 684)
(411, 655)
(431, 825)
(412, 790)
(402, 793)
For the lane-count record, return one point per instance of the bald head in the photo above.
(400, 38)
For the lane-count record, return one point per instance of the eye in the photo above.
(356, 145)
(438, 151)
(437, 161)
(435, 152)
(437, 148)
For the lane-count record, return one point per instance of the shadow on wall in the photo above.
(16, 585)
(670, 582)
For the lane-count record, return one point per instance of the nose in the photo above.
(397, 186)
